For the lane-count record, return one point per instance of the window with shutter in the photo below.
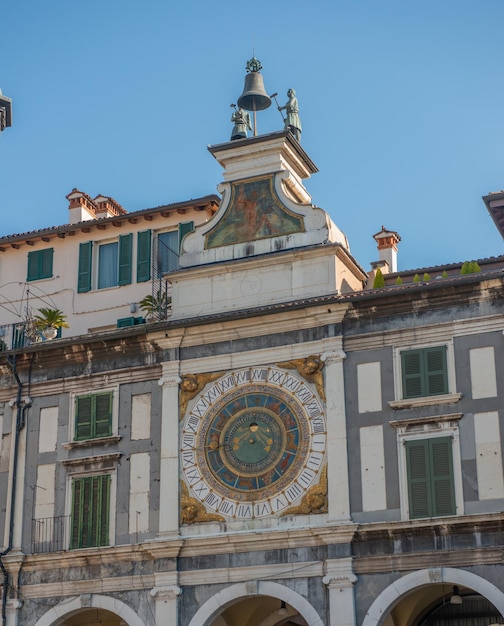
(167, 252)
(184, 229)
(144, 239)
(125, 252)
(93, 416)
(114, 264)
(424, 372)
(168, 247)
(85, 261)
(431, 491)
(40, 264)
(90, 512)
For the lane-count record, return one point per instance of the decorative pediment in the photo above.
(254, 212)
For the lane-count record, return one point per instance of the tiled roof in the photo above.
(54, 230)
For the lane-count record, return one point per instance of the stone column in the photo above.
(340, 582)
(337, 457)
(166, 603)
(12, 612)
(169, 462)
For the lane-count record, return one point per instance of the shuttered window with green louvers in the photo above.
(40, 264)
(431, 490)
(144, 241)
(93, 416)
(90, 512)
(424, 372)
(125, 255)
(85, 262)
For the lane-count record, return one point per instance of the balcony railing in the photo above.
(18, 335)
(50, 534)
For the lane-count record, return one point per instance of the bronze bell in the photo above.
(254, 96)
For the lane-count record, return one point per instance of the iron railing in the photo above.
(19, 335)
(50, 534)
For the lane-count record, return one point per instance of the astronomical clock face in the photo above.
(253, 442)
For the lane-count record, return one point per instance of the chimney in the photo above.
(107, 207)
(387, 241)
(81, 208)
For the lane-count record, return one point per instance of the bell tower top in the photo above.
(254, 97)
(266, 154)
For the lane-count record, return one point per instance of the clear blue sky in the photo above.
(401, 105)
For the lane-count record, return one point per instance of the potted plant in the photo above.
(48, 321)
(155, 306)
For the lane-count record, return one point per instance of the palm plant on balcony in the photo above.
(48, 321)
(155, 306)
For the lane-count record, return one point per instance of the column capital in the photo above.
(169, 381)
(335, 581)
(335, 356)
(13, 604)
(165, 592)
(170, 373)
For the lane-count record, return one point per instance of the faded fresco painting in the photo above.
(254, 212)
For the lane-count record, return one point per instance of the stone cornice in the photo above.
(253, 542)
(94, 556)
(462, 524)
(262, 262)
(86, 383)
(435, 332)
(438, 558)
(413, 403)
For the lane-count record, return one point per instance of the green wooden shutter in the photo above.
(412, 370)
(144, 239)
(103, 513)
(436, 371)
(103, 415)
(77, 495)
(443, 491)
(85, 263)
(83, 417)
(90, 511)
(40, 264)
(32, 266)
(46, 263)
(125, 251)
(431, 487)
(419, 492)
(184, 228)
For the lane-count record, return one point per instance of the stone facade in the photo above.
(269, 452)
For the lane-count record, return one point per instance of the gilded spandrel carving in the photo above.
(192, 511)
(314, 501)
(310, 369)
(191, 385)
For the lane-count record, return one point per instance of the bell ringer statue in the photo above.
(293, 121)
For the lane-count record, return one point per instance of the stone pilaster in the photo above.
(169, 464)
(340, 581)
(12, 612)
(166, 603)
(337, 463)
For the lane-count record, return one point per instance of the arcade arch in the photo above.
(263, 604)
(71, 611)
(408, 597)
